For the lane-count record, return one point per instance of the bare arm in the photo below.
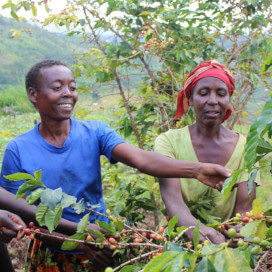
(161, 166)
(243, 200)
(173, 200)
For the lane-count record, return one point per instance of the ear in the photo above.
(32, 95)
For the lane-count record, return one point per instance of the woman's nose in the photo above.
(212, 98)
(66, 91)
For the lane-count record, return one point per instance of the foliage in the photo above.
(14, 101)
(166, 249)
(257, 147)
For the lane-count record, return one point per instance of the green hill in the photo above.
(17, 55)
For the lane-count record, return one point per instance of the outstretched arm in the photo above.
(161, 166)
(173, 200)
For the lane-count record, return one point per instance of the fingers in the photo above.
(17, 219)
(6, 234)
(9, 223)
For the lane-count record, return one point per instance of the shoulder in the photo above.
(22, 139)
(91, 125)
(174, 134)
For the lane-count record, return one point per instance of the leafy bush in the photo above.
(13, 100)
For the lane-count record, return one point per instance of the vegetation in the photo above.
(142, 50)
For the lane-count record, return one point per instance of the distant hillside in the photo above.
(17, 55)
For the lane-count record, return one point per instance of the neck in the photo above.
(55, 132)
(213, 131)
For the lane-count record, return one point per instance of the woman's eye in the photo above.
(203, 92)
(72, 88)
(223, 93)
(57, 88)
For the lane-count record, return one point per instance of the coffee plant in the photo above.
(166, 249)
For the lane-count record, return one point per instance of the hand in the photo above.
(214, 236)
(213, 175)
(10, 224)
(99, 257)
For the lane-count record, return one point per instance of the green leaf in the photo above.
(257, 206)
(110, 229)
(265, 117)
(40, 214)
(157, 263)
(83, 223)
(233, 261)
(25, 187)
(250, 146)
(171, 224)
(70, 245)
(78, 207)
(19, 176)
(255, 228)
(229, 183)
(129, 268)
(267, 64)
(34, 196)
(264, 147)
(177, 263)
(119, 225)
(251, 181)
(196, 235)
(51, 197)
(34, 10)
(38, 176)
(205, 265)
(52, 217)
(67, 200)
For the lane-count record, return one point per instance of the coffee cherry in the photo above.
(256, 240)
(31, 236)
(37, 230)
(160, 249)
(144, 234)
(231, 232)
(255, 250)
(153, 235)
(245, 219)
(31, 225)
(89, 238)
(161, 229)
(27, 232)
(112, 240)
(240, 243)
(108, 269)
(159, 238)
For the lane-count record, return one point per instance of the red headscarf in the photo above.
(210, 68)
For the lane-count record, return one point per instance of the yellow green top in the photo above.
(177, 144)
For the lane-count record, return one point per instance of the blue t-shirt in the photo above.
(75, 167)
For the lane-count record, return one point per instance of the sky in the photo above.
(54, 5)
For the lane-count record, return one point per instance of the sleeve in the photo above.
(108, 139)
(11, 164)
(163, 146)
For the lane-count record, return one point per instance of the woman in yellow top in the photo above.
(207, 89)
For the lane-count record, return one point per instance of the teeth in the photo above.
(65, 105)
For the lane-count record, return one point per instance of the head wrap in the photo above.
(210, 68)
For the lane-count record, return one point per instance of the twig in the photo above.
(260, 261)
(134, 259)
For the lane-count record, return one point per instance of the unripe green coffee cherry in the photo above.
(231, 233)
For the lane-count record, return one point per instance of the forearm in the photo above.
(243, 200)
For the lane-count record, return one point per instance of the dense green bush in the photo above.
(13, 100)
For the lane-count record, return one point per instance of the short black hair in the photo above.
(34, 72)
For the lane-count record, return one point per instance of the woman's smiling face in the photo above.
(210, 100)
(56, 94)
